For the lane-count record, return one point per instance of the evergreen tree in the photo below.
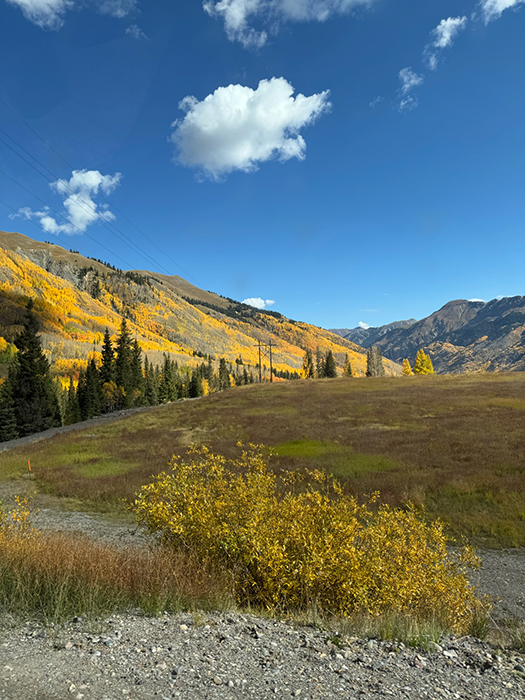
(308, 365)
(195, 386)
(8, 429)
(224, 375)
(320, 370)
(169, 389)
(123, 376)
(347, 367)
(151, 394)
(107, 367)
(330, 369)
(72, 412)
(34, 395)
(407, 369)
(137, 376)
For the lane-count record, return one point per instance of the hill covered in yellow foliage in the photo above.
(76, 298)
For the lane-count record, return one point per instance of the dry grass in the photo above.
(57, 576)
(453, 443)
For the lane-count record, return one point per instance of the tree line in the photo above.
(31, 401)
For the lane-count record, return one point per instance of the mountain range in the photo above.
(462, 336)
(76, 298)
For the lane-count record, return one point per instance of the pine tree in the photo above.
(123, 376)
(347, 367)
(308, 365)
(107, 368)
(8, 429)
(72, 412)
(34, 395)
(319, 365)
(195, 385)
(330, 369)
(137, 376)
(151, 394)
(407, 369)
(224, 375)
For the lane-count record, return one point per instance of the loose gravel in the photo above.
(241, 656)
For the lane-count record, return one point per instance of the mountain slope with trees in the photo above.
(76, 298)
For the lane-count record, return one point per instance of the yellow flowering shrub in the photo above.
(292, 544)
(15, 524)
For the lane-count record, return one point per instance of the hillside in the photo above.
(462, 336)
(452, 443)
(76, 298)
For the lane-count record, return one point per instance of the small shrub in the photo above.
(310, 546)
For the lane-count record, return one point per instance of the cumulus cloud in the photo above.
(409, 81)
(238, 15)
(236, 127)
(49, 14)
(364, 325)
(135, 32)
(81, 210)
(442, 37)
(258, 302)
(493, 9)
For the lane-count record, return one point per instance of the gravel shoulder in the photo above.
(241, 656)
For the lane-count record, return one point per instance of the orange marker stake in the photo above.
(29, 466)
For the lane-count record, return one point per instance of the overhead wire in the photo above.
(16, 211)
(88, 208)
(51, 148)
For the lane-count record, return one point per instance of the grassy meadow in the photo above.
(454, 444)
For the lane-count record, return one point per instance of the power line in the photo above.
(48, 145)
(42, 228)
(89, 209)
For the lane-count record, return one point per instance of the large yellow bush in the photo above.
(292, 544)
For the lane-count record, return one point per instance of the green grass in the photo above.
(335, 458)
(453, 443)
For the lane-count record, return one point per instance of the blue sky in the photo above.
(348, 160)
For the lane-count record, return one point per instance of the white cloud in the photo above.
(376, 101)
(135, 32)
(115, 8)
(81, 209)
(483, 300)
(409, 81)
(364, 325)
(238, 14)
(493, 9)
(443, 36)
(236, 128)
(258, 302)
(49, 14)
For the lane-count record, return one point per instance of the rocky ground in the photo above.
(241, 656)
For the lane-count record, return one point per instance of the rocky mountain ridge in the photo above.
(462, 336)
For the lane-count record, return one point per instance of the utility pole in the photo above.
(265, 349)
